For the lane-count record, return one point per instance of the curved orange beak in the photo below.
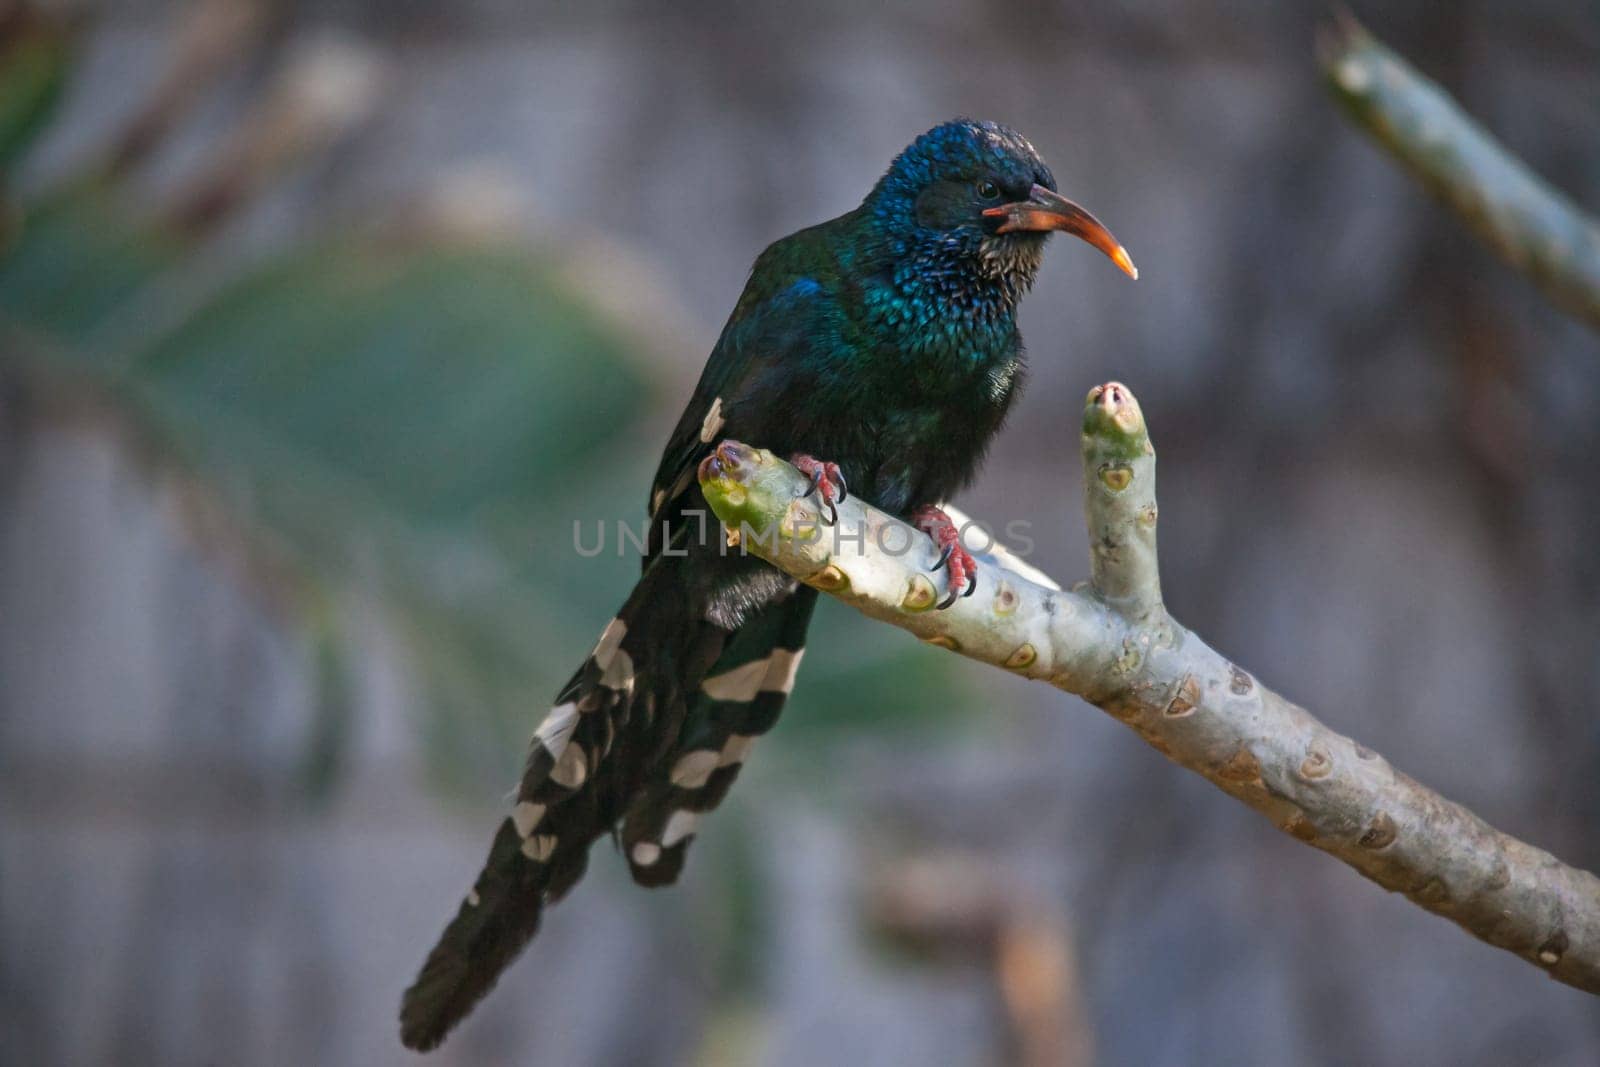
(1046, 210)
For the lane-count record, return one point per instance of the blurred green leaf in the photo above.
(456, 384)
(399, 417)
(76, 261)
(33, 70)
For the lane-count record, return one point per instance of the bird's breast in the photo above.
(910, 430)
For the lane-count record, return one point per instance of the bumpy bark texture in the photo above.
(1112, 642)
(1530, 225)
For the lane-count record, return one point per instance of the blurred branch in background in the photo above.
(217, 34)
(958, 907)
(324, 92)
(1113, 643)
(1530, 225)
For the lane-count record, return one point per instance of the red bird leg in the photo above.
(827, 482)
(947, 538)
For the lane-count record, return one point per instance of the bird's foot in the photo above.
(827, 482)
(947, 538)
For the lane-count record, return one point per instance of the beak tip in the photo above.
(1125, 261)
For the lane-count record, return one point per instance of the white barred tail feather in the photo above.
(657, 692)
(738, 701)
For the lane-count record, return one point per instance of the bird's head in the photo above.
(979, 191)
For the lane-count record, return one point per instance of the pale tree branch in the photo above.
(1528, 224)
(1113, 643)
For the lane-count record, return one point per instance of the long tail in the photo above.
(619, 716)
(737, 702)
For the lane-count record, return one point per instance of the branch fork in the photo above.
(1112, 642)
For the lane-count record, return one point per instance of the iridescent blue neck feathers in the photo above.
(951, 285)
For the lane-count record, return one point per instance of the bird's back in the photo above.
(902, 394)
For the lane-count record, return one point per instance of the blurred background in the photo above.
(321, 324)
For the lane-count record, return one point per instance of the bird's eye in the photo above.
(988, 190)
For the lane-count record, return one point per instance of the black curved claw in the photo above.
(944, 557)
(972, 587)
(844, 488)
(816, 481)
(817, 478)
